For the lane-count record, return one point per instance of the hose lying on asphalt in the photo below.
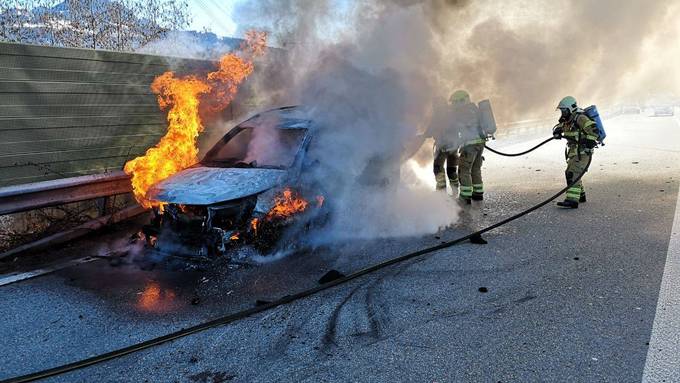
(522, 153)
(270, 305)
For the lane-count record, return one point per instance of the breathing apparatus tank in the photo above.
(487, 121)
(593, 114)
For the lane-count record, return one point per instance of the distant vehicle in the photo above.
(662, 110)
(631, 109)
(662, 104)
(228, 197)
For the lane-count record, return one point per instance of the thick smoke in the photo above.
(368, 87)
(526, 60)
(371, 71)
(523, 55)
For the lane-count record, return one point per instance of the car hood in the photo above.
(206, 186)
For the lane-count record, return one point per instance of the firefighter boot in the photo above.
(478, 190)
(574, 193)
(568, 204)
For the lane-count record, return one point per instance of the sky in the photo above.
(215, 15)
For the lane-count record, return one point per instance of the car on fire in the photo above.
(248, 188)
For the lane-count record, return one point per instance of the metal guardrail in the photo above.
(15, 199)
(526, 127)
(20, 198)
(76, 232)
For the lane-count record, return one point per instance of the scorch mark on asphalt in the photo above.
(663, 356)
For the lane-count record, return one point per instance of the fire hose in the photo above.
(282, 301)
(522, 153)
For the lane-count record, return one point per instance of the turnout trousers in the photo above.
(575, 166)
(450, 158)
(470, 170)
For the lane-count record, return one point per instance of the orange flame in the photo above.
(178, 149)
(286, 205)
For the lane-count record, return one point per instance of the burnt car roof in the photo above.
(288, 117)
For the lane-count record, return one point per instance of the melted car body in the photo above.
(218, 203)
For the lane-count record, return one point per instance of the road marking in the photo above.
(21, 276)
(663, 355)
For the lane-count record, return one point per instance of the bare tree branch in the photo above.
(122, 25)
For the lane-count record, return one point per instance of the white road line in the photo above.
(17, 277)
(663, 355)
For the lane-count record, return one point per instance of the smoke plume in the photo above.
(371, 72)
(524, 55)
(368, 87)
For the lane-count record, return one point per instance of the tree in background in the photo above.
(122, 25)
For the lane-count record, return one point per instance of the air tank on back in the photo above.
(486, 118)
(594, 115)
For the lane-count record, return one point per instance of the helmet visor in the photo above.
(564, 114)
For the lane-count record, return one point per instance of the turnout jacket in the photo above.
(581, 134)
(453, 126)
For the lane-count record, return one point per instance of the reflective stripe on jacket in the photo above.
(578, 130)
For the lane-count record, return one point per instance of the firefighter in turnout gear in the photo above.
(582, 135)
(466, 118)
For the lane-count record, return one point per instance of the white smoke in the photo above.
(190, 45)
(523, 55)
(265, 145)
(371, 70)
(369, 92)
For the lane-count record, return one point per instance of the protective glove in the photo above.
(590, 144)
(557, 132)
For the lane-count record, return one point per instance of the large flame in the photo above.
(178, 149)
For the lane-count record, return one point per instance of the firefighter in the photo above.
(467, 121)
(582, 135)
(446, 142)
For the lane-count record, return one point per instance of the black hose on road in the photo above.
(282, 301)
(522, 153)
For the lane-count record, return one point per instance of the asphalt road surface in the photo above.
(559, 295)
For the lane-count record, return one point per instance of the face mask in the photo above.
(565, 115)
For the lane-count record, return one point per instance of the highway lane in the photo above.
(571, 295)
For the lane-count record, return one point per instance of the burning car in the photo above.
(249, 188)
